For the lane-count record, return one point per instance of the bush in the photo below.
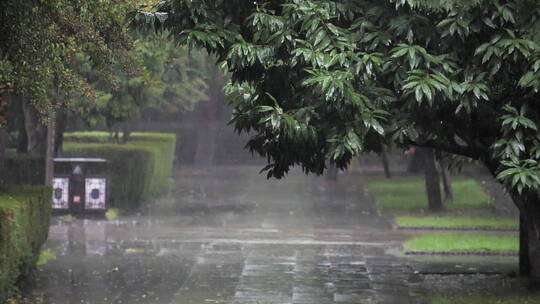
(139, 170)
(24, 169)
(24, 224)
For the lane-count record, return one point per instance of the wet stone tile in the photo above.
(351, 298)
(307, 243)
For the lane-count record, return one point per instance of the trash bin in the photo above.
(80, 185)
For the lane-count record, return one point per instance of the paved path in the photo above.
(301, 240)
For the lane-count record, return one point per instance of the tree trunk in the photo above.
(531, 264)
(22, 139)
(386, 166)
(4, 102)
(36, 131)
(433, 187)
(60, 124)
(3, 142)
(206, 137)
(206, 140)
(416, 162)
(49, 153)
(447, 182)
(126, 132)
(524, 263)
(529, 230)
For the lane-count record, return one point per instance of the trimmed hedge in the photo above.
(139, 170)
(24, 223)
(24, 168)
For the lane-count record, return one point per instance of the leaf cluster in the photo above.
(322, 80)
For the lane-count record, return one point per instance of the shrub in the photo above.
(139, 170)
(24, 224)
(24, 169)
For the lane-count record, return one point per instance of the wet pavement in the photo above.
(230, 236)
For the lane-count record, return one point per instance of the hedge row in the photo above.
(24, 225)
(24, 168)
(139, 170)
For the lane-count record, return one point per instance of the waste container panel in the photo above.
(95, 195)
(60, 193)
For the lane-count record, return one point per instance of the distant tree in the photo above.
(385, 163)
(322, 79)
(156, 73)
(434, 165)
(446, 177)
(208, 115)
(38, 43)
(431, 178)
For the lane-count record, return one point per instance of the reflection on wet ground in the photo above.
(231, 236)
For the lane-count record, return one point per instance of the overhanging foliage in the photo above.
(321, 80)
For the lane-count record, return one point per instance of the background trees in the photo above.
(156, 73)
(38, 49)
(322, 79)
(80, 59)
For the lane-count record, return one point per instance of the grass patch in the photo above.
(112, 213)
(45, 256)
(487, 299)
(456, 222)
(66, 218)
(409, 194)
(459, 242)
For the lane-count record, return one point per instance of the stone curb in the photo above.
(460, 253)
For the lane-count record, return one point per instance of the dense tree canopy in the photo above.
(39, 41)
(155, 73)
(81, 57)
(326, 79)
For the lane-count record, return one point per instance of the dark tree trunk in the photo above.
(36, 131)
(524, 263)
(4, 102)
(126, 132)
(386, 166)
(16, 121)
(3, 142)
(61, 124)
(447, 182)
(206, 137)
(49, 151)
(22, 139)
(525, 218)
(531, 227)
(433, 187)
(416, 162)
(529, 235)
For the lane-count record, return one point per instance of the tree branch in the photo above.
(471, 152)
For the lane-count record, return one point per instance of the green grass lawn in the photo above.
(456, 222)
(487, 299)
(460, 242)
(408, 194)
